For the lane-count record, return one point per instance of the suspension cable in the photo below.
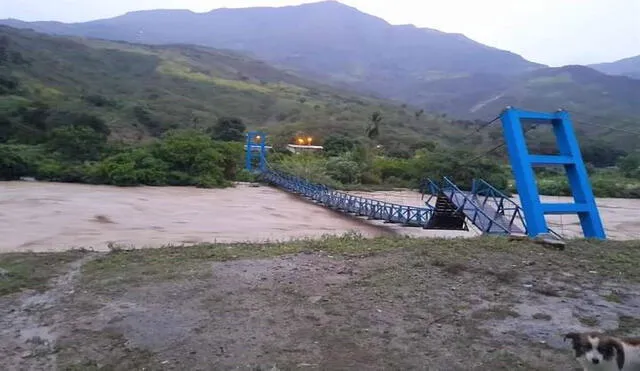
(482, 127)
(609, 127)
(494, 148)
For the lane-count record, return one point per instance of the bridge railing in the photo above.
(428, 186)
(504, 205)
(373, 209)
(485, 194)
(471, 209)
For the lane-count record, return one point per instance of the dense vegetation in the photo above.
(101, 112)
(78, 153)
(112, 113)
(358, 165)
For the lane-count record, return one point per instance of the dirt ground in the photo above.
(343, 303)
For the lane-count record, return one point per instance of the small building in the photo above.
(297, 148)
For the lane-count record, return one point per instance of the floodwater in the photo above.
(37, 216)
(53, 216)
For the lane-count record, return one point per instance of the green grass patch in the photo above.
(614, 259)
(589, 321)
(613, 297)
(21, 271)
(628, 325)
(179, 70)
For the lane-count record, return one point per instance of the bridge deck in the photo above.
(482, 215)
(489, 220)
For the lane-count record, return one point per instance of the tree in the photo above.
(12, 165)
(228, 129)
(630, 165)
(601, 154)
(66, 118)
(144, 116)
(4, 50)
(335, 145)
(344, 170)
(78, 143)
(373, 130)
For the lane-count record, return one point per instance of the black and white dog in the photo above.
(598, 352)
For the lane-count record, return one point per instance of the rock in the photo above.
(315, 299)
(4, 274)
(37, 340)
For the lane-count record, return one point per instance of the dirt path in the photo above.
(30, 325)
(334, 304)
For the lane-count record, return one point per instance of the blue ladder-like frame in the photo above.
(261, 138)
(522, 164)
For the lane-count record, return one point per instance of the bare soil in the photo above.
(343, 303)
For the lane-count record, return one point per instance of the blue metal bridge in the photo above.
(485, 207)
(448, 207)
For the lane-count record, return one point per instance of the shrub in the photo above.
(392, 168)
(12, 164)
(130, 168)
(77, 143)
(55, 170)
(344, 170)
(228, 129)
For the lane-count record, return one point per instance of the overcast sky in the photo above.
(554, 32)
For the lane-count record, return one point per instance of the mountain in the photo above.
(579, 89)
(326, 40)
(604, 108)
(141, 91)
(626, 67)
(354, 51)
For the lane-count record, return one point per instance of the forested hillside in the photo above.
(432, 70)
(140, 91)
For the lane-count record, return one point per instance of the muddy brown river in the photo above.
(38, 216)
